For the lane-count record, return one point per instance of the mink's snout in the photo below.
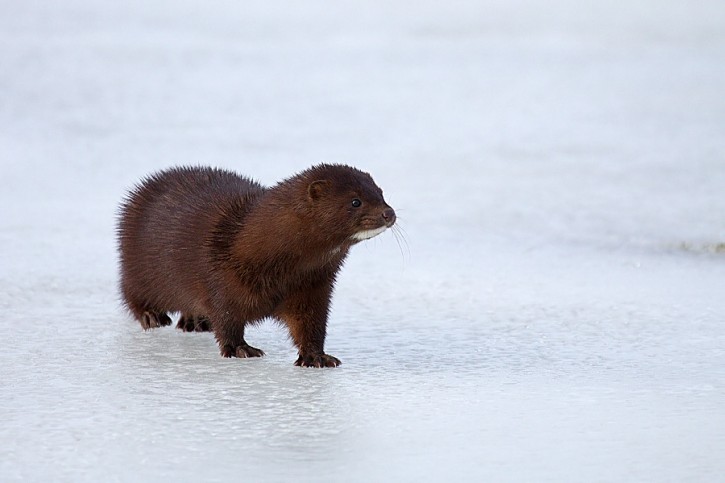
(389, 217)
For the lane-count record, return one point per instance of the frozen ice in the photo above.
(555, 311)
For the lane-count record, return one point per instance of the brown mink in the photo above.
(225, 251)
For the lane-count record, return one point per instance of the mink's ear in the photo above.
(317, 188)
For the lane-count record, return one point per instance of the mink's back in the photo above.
(163, 232)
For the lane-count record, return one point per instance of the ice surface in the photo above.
(556, 314)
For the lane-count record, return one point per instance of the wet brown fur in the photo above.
(225, 252)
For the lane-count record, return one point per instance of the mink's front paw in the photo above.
(317, 360)
(241, 351)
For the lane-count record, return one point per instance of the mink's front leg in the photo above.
(317, 360)
(229, 333)
(305, 313)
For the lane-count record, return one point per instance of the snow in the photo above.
(555, 312)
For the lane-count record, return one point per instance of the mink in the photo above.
(225, 252)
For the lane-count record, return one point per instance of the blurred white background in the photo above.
(556, 314)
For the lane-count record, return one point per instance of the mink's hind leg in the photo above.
(193, 323)
(148, 318)
(151, 319)
(230, 336)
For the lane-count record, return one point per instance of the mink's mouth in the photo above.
(367, 234)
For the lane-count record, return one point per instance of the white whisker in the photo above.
(399, 235)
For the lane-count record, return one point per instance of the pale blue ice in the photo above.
(557, 313)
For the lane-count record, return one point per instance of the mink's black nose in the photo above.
(389, 216)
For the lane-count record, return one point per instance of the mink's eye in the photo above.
(356, 203)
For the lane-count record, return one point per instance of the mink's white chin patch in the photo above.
(367, 234)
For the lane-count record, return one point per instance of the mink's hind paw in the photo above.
(317, 360)
(190, 323)
(241, 351)
(152, 320)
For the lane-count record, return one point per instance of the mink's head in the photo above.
(347, 200)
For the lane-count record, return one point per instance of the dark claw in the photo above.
(164, 320)
(190, 323)
(244, 351)
(202, 324)
(152, 320)
(317, 360)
